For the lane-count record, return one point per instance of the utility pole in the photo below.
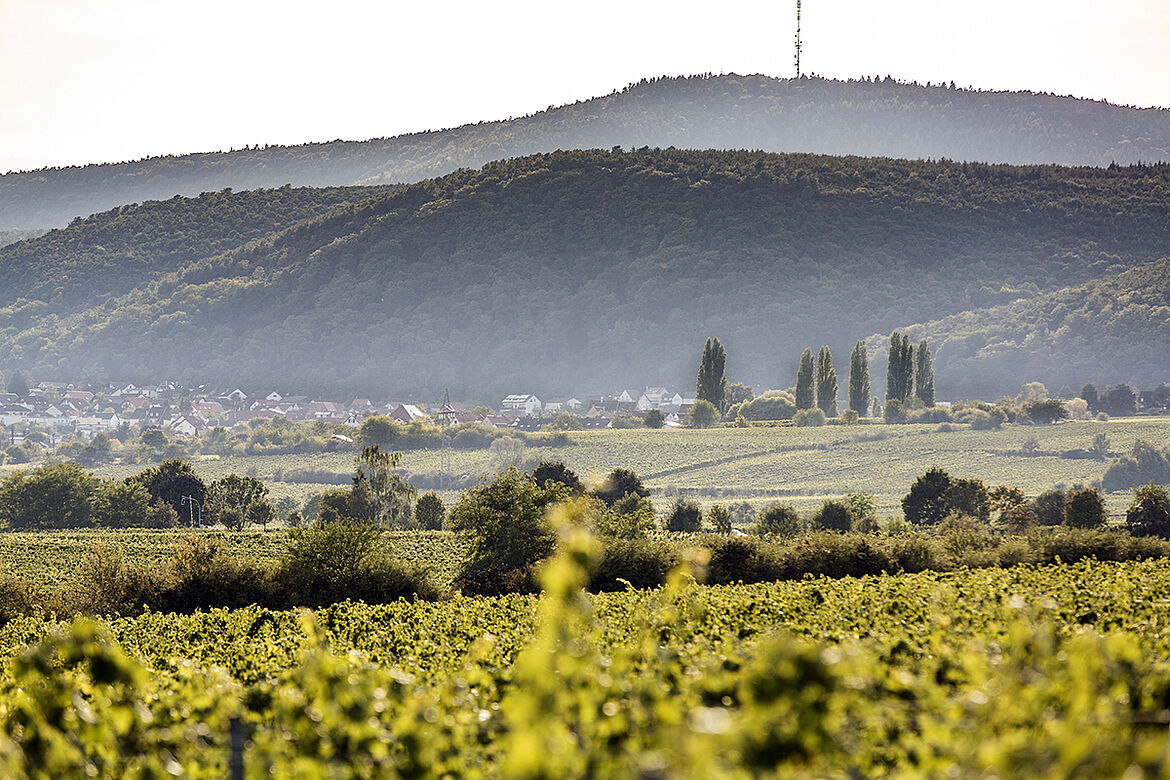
(193, 506)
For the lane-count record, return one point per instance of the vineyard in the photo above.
(803, 465)
(1054, 671)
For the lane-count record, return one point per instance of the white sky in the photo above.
(108, 80)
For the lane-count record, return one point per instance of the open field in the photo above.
(761, 465)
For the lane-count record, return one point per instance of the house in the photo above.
(186, 425)
(408, 413)
(497, 420)
(596, 423)
(528, 424)
(521, 402)
(326, 410)
(237, 395)
(562, 405)
(208, 408)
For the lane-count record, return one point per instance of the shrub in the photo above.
(15, 599)
(778, 520)
(960, 534)
(1048, 507)
(931, 414)
(639, 562)
(1046, 411)
(204, 576)
(1084, 508)
(107, 585)
(849, 417)
(773, 405)
(809, 418)
(619, 483)
(703, 414)
(894, 412)
(913, 553)
(1077, 544)
(720, 517)
(558, 472)
(836, 555)
(685, 516)
(742, 559)
(833, 516)
(1149, 514)
(926, 502)
(655, 418)
(630, 517)
(1014, 552)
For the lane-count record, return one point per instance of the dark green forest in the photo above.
(582, 271)
(871, 117)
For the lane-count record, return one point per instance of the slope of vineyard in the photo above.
(1055, 671)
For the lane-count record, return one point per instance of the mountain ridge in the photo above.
(866, 118)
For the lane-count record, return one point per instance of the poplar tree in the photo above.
(859, 379)
(900, 368)
(805, 394)
(711, 384)
(826, 383)
(924, 375)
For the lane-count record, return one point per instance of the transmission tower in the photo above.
(446, 418)
(798, 38)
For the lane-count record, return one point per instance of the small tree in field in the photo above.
(720, 517)
(778, 520)
(430, 511)
(703, 414)
(1084, 508)
(1149, 514)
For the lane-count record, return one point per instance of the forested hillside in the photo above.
(12, 236)
(118, 250)
(1106, 331)
(582, 271)
(868, 117)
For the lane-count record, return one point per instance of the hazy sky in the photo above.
(108, 80)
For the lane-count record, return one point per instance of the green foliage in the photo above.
(805, 389)
(1045, 412)
(391, 496)
(833, 516)
(1149, 514)
(924, 374)
(936, 494)
(711, 384)
(776, 405)
(502, 522)
(235, 495)
(899, 368)
(826, 383)
(1144, 464)
(809, 418)
(655, 418)
(1084, 508)
(859, 379)
(172, 480)
(56, 495)
(685, 516)
(778, 520)
(630, 517)
(703, 414)
(720, 517)
(430, 511)
(121, 505)
(556, 471)
(619, 483)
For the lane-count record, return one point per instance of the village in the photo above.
(82, 410)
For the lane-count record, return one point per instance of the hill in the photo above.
(1107, 331)
(868, 117)
(583, 271)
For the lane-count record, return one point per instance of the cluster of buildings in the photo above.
(66, 408)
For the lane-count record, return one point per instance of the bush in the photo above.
(894, 412)
(1084, 508)
(1048, 507)
(778, 406)
(639, 562)
(204, 576)
(619, 483)
(556, 471)
(809, 418)
(703, 414)
(741, 559)
(15, 599)
(961, 534)
(655, 418)
(931, 414)
(778, 520)
(629, 518)
(833, 516)
(912, 553)
(685, 516)
(107, 585)
(849, 417)
(836, 555)
(1149, 514)
(720, 517)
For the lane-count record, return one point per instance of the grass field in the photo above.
(761, 465)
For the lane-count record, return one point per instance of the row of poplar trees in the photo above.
(816, 382)
(909, 372)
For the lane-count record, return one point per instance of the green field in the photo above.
(761, 465)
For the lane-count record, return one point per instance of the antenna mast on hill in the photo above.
(798, 38)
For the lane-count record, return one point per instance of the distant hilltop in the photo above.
(878, 117)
